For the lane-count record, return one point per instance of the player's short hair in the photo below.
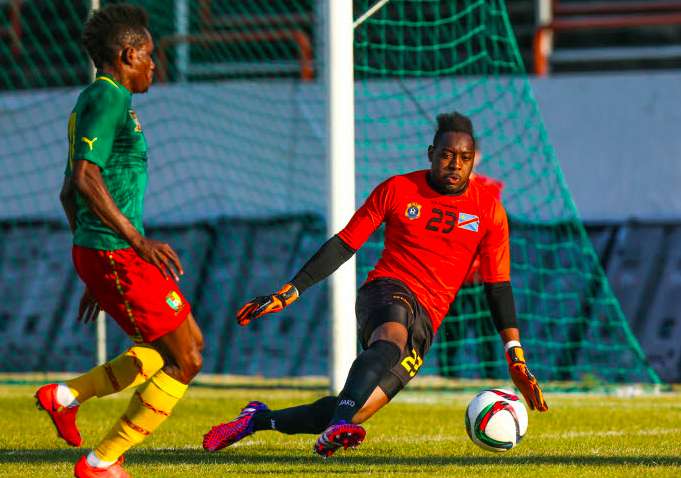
(112, 28)
(453, 122)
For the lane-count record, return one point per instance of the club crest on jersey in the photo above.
(138, 125)
(174, 301)
(413, 210)
(470, 222)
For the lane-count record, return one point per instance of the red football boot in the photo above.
(84, 470)
(341, 434)
(64, 418)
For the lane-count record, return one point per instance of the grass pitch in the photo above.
(420, 434)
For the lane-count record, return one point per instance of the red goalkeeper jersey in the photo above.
(432, 238)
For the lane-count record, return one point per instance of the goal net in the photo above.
(236, 129)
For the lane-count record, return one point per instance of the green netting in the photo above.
(427, 57)
(235, 125)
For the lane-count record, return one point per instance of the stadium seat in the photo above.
(228, 262)
(42, 294)
(259, 256)
(631, 267)
(601, 237)
(611, 16)
(37, 281)
(660, 327)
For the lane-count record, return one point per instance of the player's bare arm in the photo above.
(88, 181)
(67, 197)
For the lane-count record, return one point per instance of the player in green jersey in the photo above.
(131, 277)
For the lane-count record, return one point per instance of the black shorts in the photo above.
(374, 300)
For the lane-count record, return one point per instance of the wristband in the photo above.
(511, 343)
(288, 293)
(514, 352)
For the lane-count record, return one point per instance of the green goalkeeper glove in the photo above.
(267, 304)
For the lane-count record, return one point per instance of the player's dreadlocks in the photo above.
(453, 122)
(112, 28)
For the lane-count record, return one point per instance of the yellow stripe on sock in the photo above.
(169, 385)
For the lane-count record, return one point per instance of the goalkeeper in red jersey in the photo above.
(126, 274)
(436, 221)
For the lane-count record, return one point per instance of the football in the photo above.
(496, 420)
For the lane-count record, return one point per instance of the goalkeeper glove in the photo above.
(524, 380)
(267, 304)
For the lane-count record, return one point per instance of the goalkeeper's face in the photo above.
(452, 160)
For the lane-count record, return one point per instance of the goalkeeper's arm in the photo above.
(326, 260)
(333, 254)
(502, 308)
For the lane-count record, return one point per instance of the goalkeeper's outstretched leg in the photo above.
(395, 333)
(312, 418)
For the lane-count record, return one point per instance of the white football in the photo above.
(496, 420)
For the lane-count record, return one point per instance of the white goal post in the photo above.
(340, 87)
(340, 117)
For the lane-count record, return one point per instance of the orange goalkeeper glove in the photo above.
(267, 304)
(524, 380)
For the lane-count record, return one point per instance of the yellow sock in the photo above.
(131, 368)
(149, 407)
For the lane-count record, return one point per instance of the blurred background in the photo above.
(574, 102)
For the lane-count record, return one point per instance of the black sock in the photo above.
(311, 418)
(366, 372)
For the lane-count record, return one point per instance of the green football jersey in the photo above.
(104, 129)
